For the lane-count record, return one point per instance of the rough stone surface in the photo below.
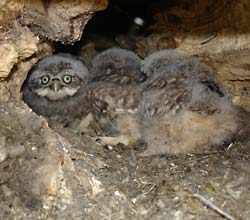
(61, 174)
(9, 57)
(62, 21)
(9, 10)
(233, 71)
(208, 26)
(16, 45)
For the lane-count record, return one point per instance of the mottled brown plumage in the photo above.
(183, 109)
(116, 82)
(170, 102)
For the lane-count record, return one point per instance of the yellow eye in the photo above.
(67, 79)
(45, 80)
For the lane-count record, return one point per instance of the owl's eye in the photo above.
(67, 79)
(45, 80)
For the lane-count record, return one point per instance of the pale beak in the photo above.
(56, 86)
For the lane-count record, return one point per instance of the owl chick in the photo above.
(115, 76)
(56, 88)
(183, 110)
(115, 82)
(119, 66)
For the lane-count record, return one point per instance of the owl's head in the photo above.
(57, 77)
(116, 65)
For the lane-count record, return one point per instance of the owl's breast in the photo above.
(118, 98)
(66, 109)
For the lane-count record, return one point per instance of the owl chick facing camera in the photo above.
(56, 88)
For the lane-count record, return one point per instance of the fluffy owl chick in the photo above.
(116, 79)
(56, 87)
(119, 66)
(183, 110)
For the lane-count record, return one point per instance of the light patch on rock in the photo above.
(8, 57)
(96, 186)
(3, 150)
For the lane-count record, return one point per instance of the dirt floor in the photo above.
(68, 175)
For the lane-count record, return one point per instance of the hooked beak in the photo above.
(56, 86)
